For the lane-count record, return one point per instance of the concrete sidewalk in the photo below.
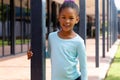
(18, 67)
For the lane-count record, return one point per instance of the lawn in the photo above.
(114, 71)
(18, 41)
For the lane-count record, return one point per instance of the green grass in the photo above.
(18, 41)
(114, 71)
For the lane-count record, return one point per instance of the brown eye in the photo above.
(71, 18)
(63, 17)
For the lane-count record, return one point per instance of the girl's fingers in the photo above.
(29, 54)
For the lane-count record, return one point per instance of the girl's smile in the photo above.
(66, 26)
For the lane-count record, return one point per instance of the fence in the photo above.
(15, 29)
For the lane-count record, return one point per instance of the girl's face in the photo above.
(68, 18)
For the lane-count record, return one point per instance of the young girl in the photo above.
(66, 48)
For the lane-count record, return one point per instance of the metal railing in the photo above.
(15, 27)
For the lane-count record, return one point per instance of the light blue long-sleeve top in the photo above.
(65, 55)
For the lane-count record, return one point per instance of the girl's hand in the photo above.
(29, 54)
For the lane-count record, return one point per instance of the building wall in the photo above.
(17, 29)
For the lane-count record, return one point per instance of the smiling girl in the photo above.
(66, 47)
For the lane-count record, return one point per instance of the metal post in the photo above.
(48, 16)
(82, 27)
(97, 31)
(12, 26)
(116, 24)
(8, 24)
(108, 23)
(112, 22)
(54, 15)
(114, 19)
(3, 28)
(21, 26)
(38, 39)
(27, 23)
(103, 28)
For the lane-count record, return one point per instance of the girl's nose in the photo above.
(67, 20)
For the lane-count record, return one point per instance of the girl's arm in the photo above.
(82, 61)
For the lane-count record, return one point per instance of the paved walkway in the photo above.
(18, 67)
